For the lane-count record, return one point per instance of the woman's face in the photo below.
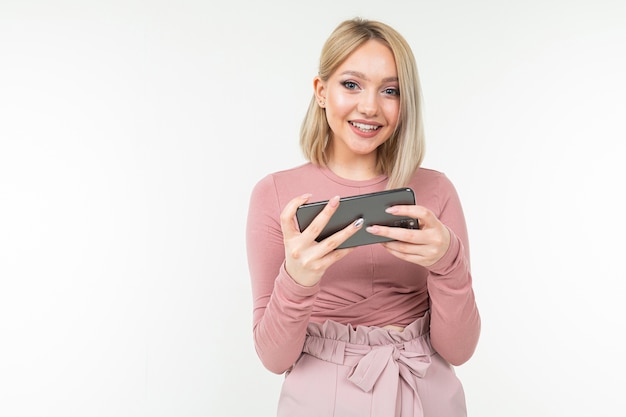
(362, 101)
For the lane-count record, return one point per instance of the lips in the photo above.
(364, 127)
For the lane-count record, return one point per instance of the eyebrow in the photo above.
(361, 75)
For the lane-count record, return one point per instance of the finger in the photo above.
(333, 241)
(287, 223)
(403, 252)
(425, 255)
(426, 217)
(413, 236)
(314, 229)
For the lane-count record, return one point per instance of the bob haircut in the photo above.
(401, 155)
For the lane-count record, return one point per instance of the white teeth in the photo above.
(364, 127)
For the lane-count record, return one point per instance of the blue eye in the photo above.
(350, 85)
(392, 91)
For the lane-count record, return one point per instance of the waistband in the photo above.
(378, 357)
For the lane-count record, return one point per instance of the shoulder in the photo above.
(281, 186)
(433, 188)
(296, 173)
(286, 176)
(428, 176)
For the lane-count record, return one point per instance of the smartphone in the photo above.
(371, 207)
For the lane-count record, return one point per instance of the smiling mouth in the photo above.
(364, 127)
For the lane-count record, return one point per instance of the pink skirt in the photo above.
(371, 371)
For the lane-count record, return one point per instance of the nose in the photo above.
(368, 104)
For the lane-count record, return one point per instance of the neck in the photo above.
(357, 172)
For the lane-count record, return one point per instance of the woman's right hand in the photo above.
(305, 259)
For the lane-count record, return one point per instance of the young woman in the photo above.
(372, 330)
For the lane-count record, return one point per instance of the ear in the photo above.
(319, 87)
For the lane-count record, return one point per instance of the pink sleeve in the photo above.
(455, 321)
(281, 307)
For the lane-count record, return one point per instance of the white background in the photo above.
(131, 134)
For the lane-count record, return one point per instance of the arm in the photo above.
(286, 267)
(455, 320)
(281, 307)
(441, 246)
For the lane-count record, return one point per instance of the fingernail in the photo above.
(391, 210)
(358, 222)
(334, 202)
(372, 229)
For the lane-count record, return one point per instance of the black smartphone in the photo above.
(371, 207)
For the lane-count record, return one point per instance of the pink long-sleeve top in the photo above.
(369, 287)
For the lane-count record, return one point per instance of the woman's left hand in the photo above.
(423, 246)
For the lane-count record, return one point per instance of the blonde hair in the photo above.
(401, 155)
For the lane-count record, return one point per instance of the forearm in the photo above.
(455, 320)
(280, 329)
